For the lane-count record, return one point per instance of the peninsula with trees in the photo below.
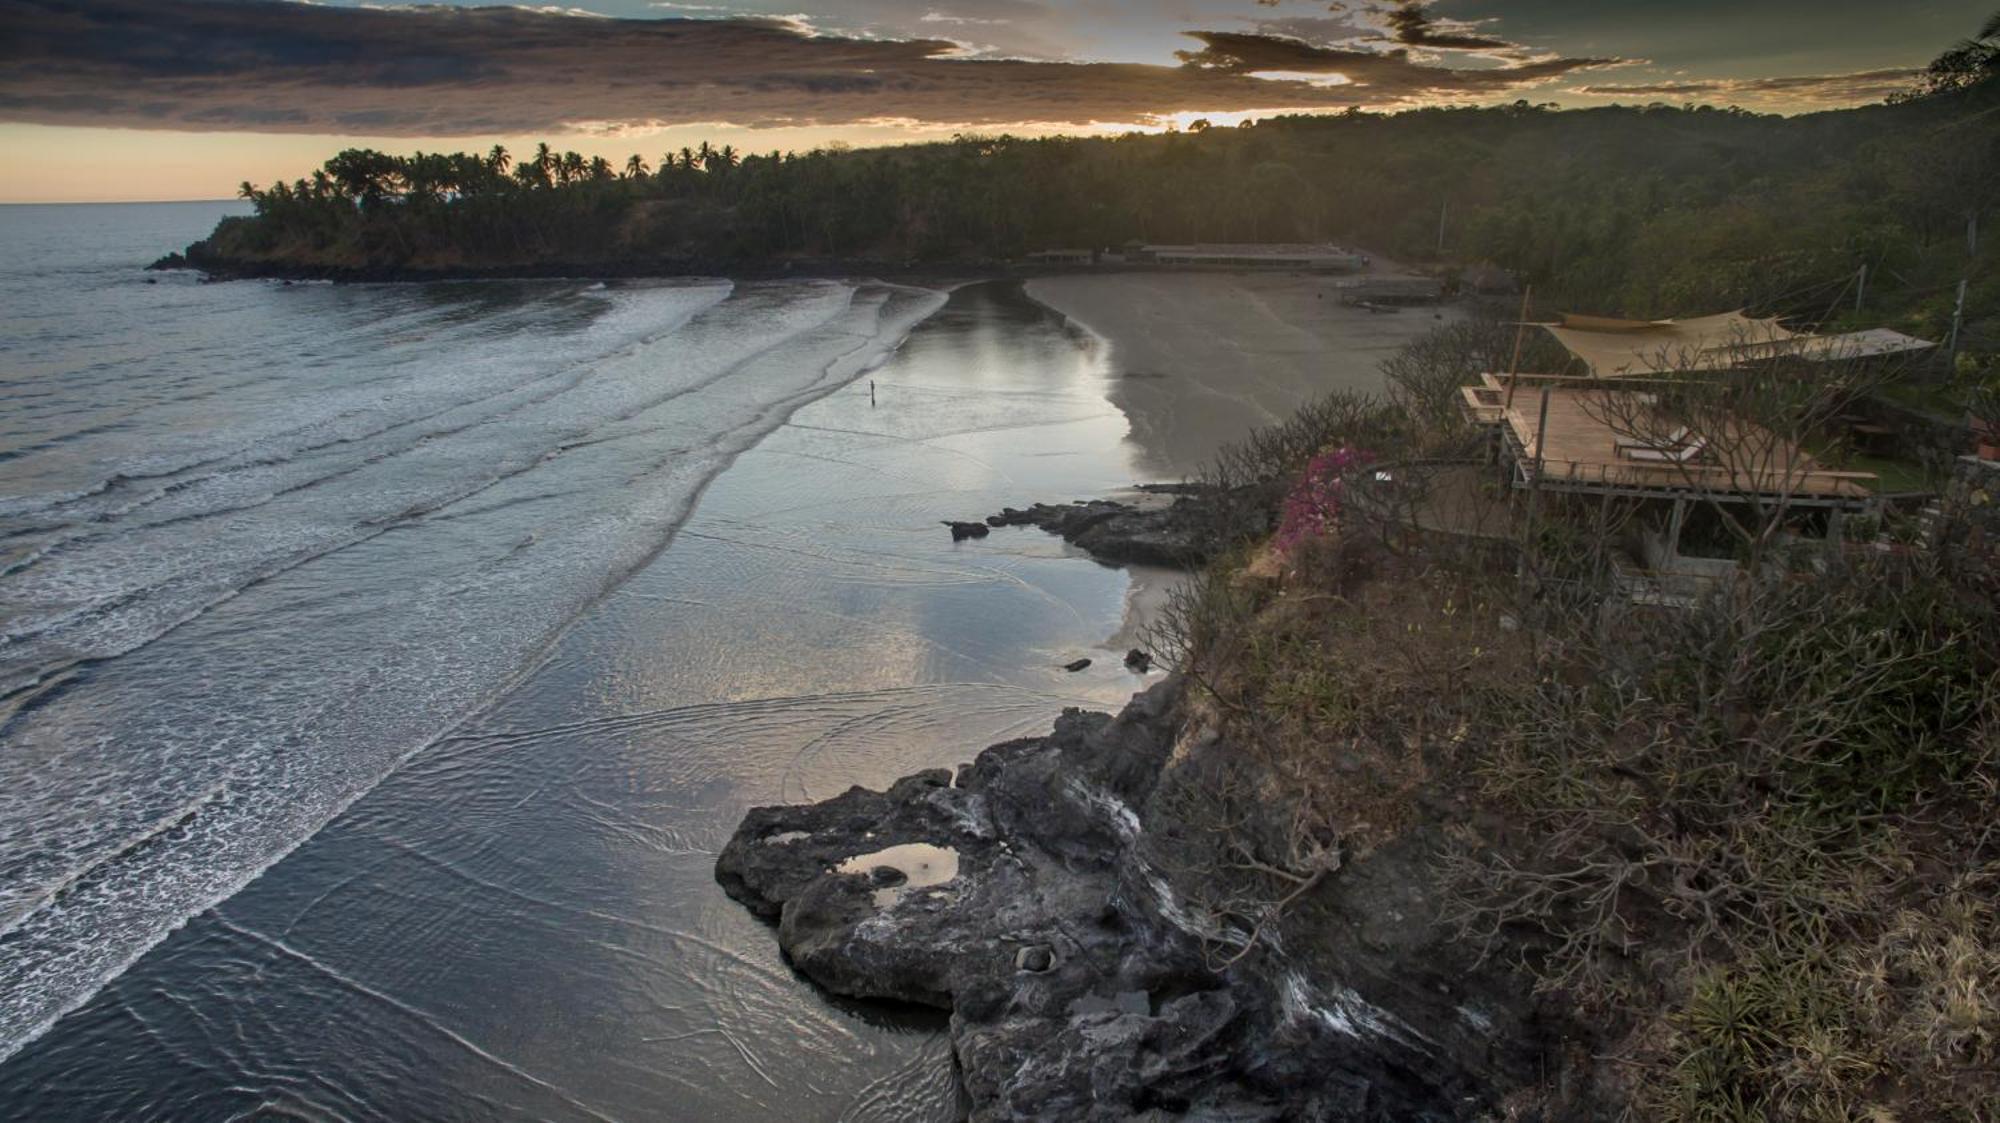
(1604, 210)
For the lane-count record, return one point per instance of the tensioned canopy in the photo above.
(1613, 348)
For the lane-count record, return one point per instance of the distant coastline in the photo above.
(201, 258)
(198, 258)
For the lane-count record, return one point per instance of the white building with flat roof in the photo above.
(1316, 257)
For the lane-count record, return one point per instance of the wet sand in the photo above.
(1200, 359)
(522, 921)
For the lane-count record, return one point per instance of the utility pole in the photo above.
(1514, 367)
(1951, 344)
(1535, 480)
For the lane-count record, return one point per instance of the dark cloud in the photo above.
(1239, 53)
(438, 71)
(1811, 89)
(1411, 24)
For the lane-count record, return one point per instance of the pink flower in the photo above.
(1312, 509)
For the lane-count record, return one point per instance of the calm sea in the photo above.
(381, 666)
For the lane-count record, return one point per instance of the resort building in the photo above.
(1604, 347)
(1606, 429)
(1312, 257)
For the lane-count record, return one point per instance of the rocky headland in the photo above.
(1033, 894)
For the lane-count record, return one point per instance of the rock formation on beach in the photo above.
(1153, 531)
(1025, 894)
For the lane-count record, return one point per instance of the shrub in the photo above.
(1312, 507)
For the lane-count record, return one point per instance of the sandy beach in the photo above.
(1200, 359)
(810, 626)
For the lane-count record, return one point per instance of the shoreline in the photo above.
(809, 627)
(832, 636)
(1032, 894)
(217, 268)
(1199, 359)
(846, 269)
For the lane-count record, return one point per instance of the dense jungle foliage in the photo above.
(1655, 209)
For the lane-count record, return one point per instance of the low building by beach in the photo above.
(1062, 257)
(1588, 441)
(1312, 257)
(1598, 431)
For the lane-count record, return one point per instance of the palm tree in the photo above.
(635, 168)
(1969, 63)
(498, 159)
(246, 190)
(601, 169)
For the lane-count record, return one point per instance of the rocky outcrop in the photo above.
(1020, 895)
(960, 531)
(1171, 525)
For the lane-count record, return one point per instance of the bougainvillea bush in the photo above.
(1312, 509)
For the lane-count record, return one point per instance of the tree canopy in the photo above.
(1654, 210)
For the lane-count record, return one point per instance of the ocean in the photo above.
(381, 667)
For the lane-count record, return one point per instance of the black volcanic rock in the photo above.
(1020, 896)
(960, 531)
(1178, 534)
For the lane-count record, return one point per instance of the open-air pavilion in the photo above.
(1597, 430)
(1582, 438)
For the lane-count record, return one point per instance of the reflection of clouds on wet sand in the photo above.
(524, 915)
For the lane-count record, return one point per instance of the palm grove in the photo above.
(1654, 209)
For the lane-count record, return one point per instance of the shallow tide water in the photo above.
(383, 666)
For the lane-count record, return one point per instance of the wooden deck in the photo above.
(1581, 451)
(1483, 405)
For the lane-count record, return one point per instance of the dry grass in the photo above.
(1753, 844)
(1342, 687)
(1902, 1023)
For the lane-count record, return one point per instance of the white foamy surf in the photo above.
(245, 572)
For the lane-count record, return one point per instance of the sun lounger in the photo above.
(1672, 440)
(1681, 455)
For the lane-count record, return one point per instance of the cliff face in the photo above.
(1026, 896)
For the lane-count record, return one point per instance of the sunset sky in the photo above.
(181, 99)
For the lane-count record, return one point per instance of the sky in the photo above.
(183, 99)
